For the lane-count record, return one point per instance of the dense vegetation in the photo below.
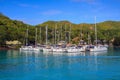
(10, 30)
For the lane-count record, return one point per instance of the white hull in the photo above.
(83, 49)
(73, 50)
(99, 48)
(29, 48)
(59, 50)
(36, 49)
(26, 48)
(47, 50)
(76, 49)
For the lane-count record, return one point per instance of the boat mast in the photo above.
(36, 37)
(46, 34)
(65, 33)
(88, 38)
(58, 35)
(81, 32)
(53, 38)
(70, 34)
(95, 31)
(26, 40)
(40, 35)
(61, 33)
(55, 32)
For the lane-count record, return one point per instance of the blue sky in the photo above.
(76, 11)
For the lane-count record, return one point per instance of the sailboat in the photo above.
(39, 45)
(26, 47)
(74, 48)
(36, 48)
(97, 47)
(59, 46)
(47, 47)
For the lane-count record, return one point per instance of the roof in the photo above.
(13, 42)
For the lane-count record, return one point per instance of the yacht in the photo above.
(98, 48)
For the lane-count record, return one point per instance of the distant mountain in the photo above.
(53, 22)
(102, 25)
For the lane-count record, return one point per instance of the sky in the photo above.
(76, 11)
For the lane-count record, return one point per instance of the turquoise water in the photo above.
(15, 65)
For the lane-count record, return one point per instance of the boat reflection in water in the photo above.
(30, 52)
(76, 54)
(95, 58)
(99, 53)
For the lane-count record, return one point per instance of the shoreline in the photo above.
(4, 48)
(7, 48)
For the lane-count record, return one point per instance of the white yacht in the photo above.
(26, 48)
(76, 49)
(47, 49)
(59, 48)
(73, 49)
(98, 48)
(30, 48)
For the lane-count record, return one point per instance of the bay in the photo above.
(15, 65)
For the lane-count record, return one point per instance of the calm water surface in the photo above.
(15, 65)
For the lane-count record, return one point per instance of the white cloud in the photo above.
(51, 12)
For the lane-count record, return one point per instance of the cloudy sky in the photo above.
(76, 11)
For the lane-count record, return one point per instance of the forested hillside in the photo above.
(10, 30)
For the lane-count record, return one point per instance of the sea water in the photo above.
(16, 65)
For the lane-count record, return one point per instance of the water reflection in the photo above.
(59, 60)
(76, 54)
(30, 52)
(36, 61)
(100, 53)
(24, 65)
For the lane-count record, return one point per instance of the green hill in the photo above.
(16, 30)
